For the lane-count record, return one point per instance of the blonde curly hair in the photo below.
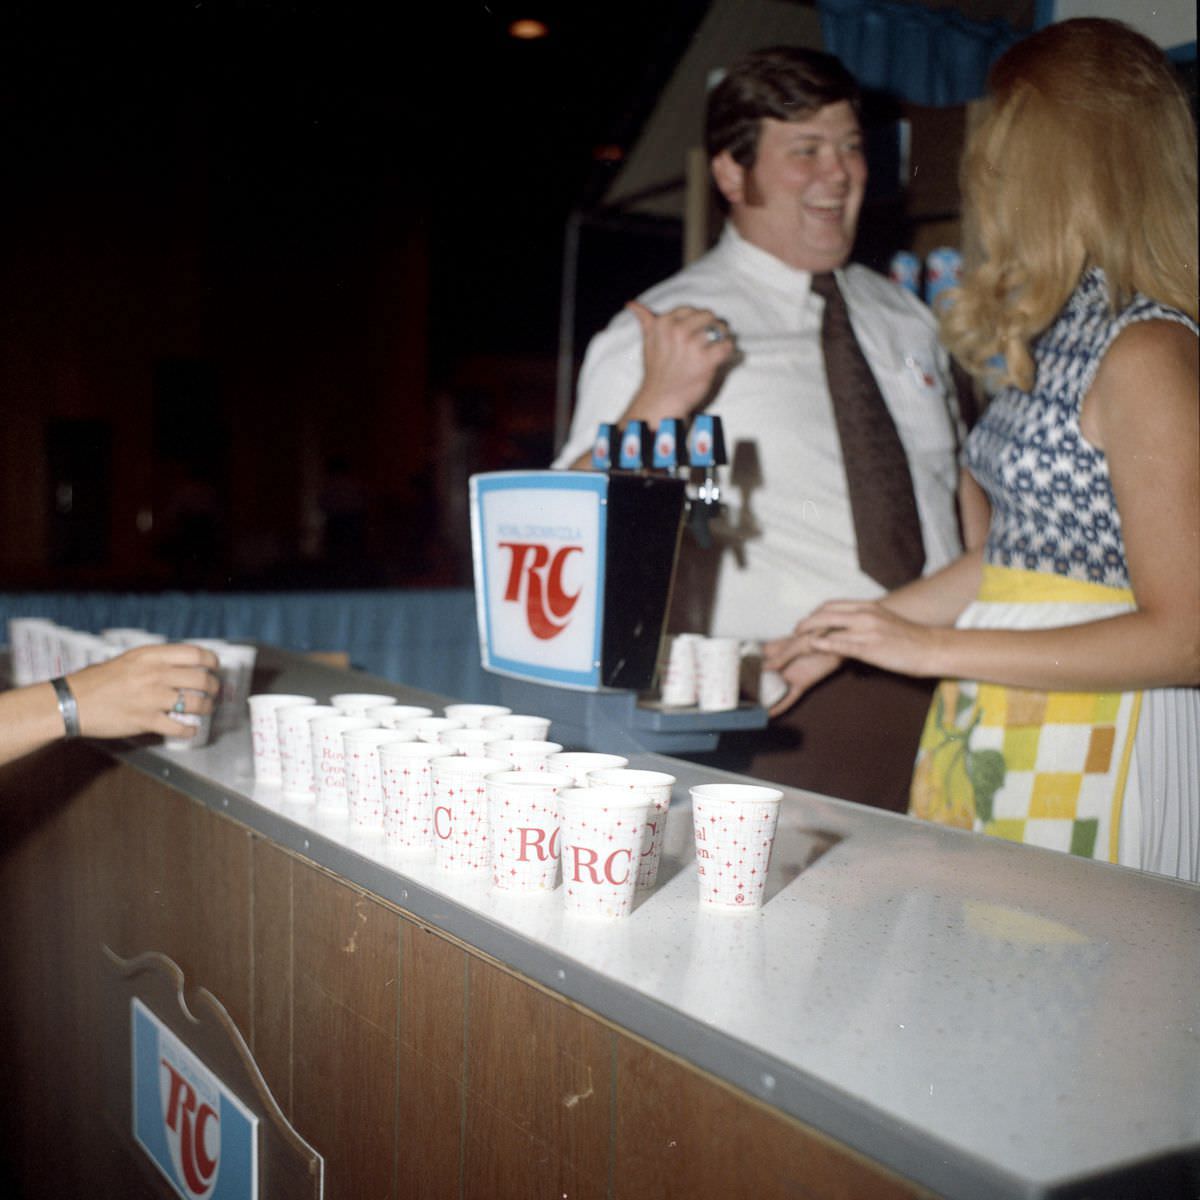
(1085, 156)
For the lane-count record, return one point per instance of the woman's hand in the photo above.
(800, 668)
(136, 692)
(866, 630)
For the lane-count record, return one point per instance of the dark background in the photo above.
(273, 268)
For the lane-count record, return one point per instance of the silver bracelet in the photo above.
(67, 706)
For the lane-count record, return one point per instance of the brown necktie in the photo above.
(886, 525)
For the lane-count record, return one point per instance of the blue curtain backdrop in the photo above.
(925, 56)
(423, 637)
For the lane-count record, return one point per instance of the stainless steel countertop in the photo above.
(990, 1020)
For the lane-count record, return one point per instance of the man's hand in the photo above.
(682, 352)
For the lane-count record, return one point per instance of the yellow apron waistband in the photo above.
(1007, 585)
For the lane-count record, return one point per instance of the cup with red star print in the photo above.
(460, 812)
(600, 844)
(364, 777)
(654, 788)
(734, 826)
(408, 795)
(523, 829)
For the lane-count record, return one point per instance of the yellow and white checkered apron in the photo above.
(1045, 768)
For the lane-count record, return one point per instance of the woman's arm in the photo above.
(934, 600)
(1142, 410)
(127, 695)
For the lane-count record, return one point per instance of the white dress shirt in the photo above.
(787, 541)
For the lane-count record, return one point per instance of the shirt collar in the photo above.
(764, 267)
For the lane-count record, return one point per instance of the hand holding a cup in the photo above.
(142, 691)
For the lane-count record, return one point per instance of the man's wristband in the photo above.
(67, 706)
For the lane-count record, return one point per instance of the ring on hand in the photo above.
(180, 703)
(713, 333)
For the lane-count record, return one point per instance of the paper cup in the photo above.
(129, 636)
(408, 795)
(718, 672)
(460, 812)
(580, 763)
(264, 732)
(295, 749)
(364, 777)
(472, 715)
(677, 669)
(237, 671)
(734, 826)
(72, 649)
(329, 759)
(26, 638)
(653, 788)
(524, 755)
(430, 729)
(235, 668)
(519, 726)
(600, 841)
(392, 716)
(202, 723)
(470, 741)
(355, 704)
(523, 829)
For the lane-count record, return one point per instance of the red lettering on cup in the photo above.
(531, 839)
(590, 866)
(610, 870)
(437, 823)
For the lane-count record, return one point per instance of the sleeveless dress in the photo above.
(1113, 776)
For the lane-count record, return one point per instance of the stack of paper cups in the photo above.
(678, 670)
(718, 669)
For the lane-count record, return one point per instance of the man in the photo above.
(738, 333)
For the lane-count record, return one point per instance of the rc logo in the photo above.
(196, 1131)
(537, 572)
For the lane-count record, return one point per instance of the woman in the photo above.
(1069, 645)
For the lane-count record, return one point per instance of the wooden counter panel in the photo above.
(419, 1069)
(681, 1134)
(345, 987)
(270, 1035)
(429, 1116)
(539, 1091)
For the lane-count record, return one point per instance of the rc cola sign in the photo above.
(539, 545)
(199, 1135)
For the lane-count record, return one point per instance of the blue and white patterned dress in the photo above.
(1055, 556)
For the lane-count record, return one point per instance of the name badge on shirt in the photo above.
(923, 371)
